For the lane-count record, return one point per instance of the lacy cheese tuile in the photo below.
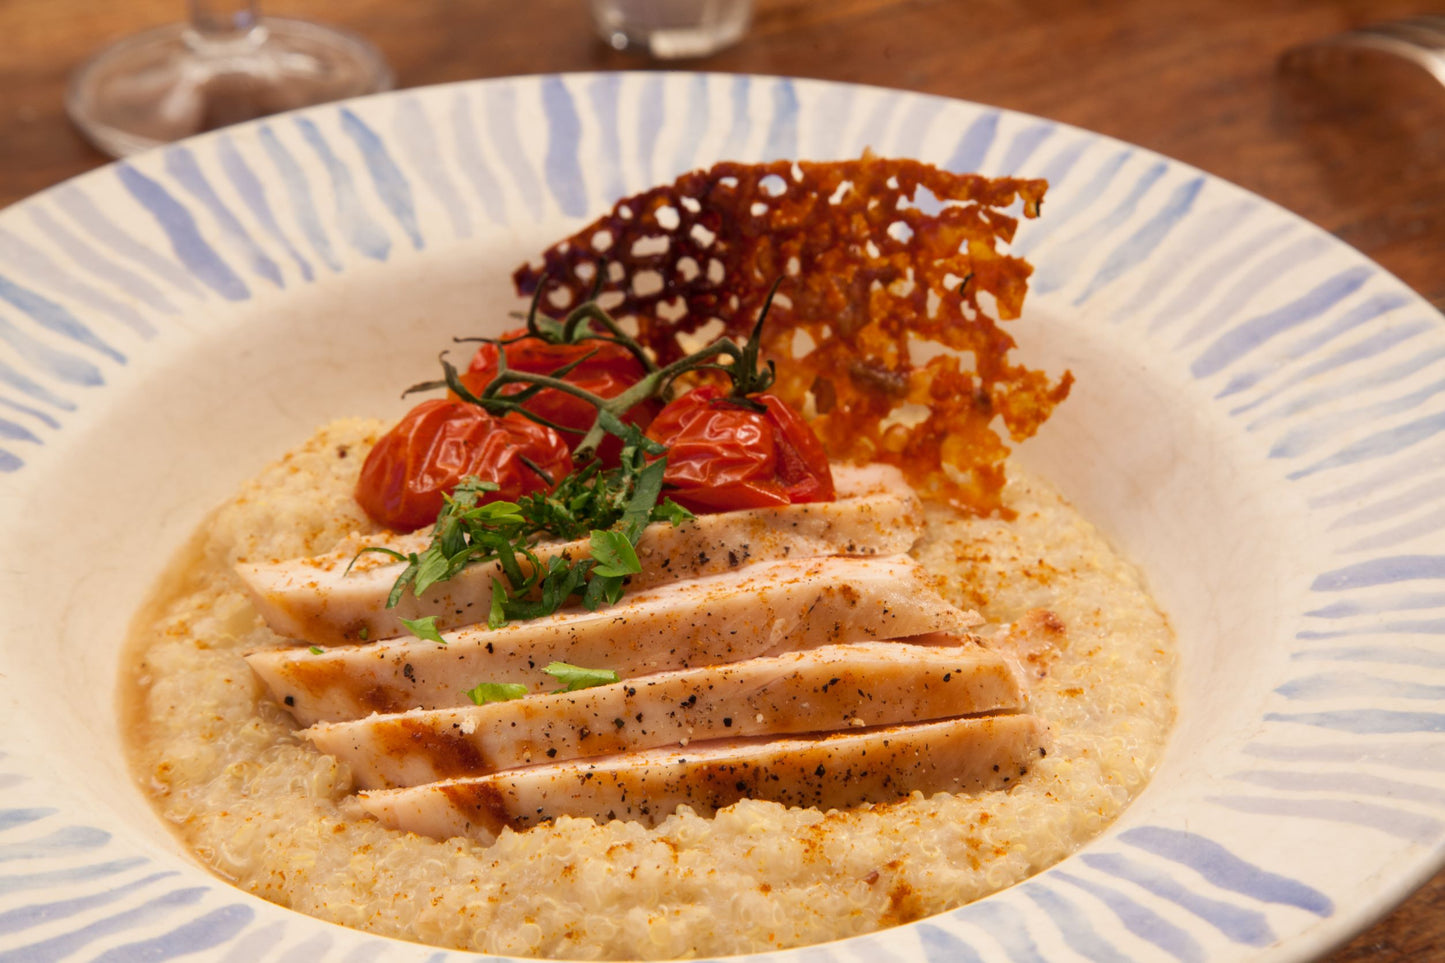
(875, 259)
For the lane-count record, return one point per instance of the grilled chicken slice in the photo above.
(764, 609)
(316, 601)
(833, 687)
(836, 770)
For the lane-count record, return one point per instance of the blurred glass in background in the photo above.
(671, 29)
(225, 64)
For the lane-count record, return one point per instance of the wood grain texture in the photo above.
(1355, 145)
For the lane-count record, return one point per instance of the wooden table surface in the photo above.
(1360, 151)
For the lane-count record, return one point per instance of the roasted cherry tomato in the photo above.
(609, 371)
(441, 440)
(722, 455)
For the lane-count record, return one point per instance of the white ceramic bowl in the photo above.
(1257, 422)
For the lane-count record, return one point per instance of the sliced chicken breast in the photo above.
(837, 770)
(833, 687)
(763, 609)
(317, 601)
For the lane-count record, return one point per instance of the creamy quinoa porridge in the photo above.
(267, 811)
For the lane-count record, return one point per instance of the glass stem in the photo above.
(224, 23)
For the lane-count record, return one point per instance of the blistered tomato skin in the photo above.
(440, 441)
(528, 353)
(723, 456)
(609, 370)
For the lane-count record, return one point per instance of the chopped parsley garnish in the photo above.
(424, 628)
(609, 506)
(496, 692)
(574, 677)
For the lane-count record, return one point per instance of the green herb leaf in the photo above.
(402, 580)
(382, 549)
(602, 590)
(671, 511)
(574, 677)
(644, 498)
(497, 617)
(424, 628)
(496, 692)
(561, 580)
(317, 650)
(613, 554)
(432, 567)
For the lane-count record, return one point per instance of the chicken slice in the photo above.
(832, 771)
(763, 609)
(833, 687)
(317, 601)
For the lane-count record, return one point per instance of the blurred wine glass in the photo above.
(226, 64)
(1419, 40)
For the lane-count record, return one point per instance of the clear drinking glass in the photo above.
(669, 29)
(225, 65)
